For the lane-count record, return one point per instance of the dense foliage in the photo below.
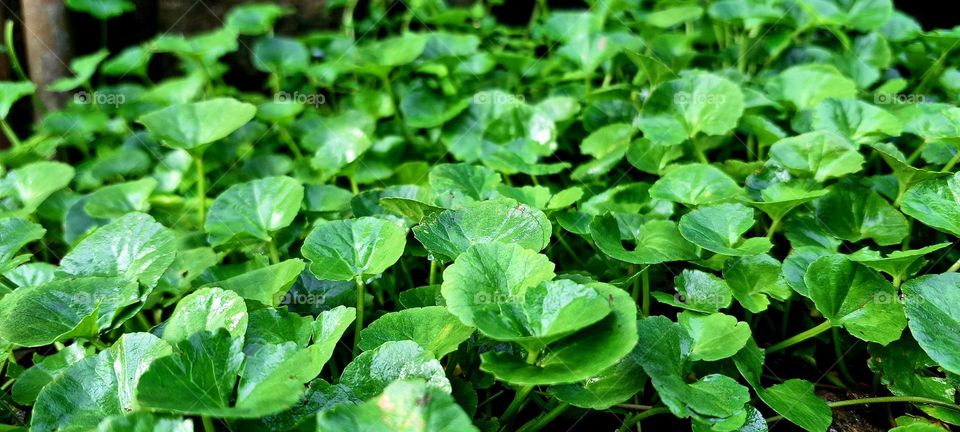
(726, 215)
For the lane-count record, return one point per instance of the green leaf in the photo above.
(32, 184)
(715, 336)
(254, 209)
(266, 285)
(935, 203)
(97, 387)
(858, 121)
(651, 157)
(271, 326)
(670, 17)
(351, 248)
(805, 86)
(337, 145)
(719, 228)
(821, 155)
(255, 19)
(117, 200)
(329, 327)
(206, 309)
(856, 213)
(11, 92)
(280, 55)
(577, 357)
(698, 291)
(713, 397)
(931, 306)
(144, 421)
(796, 401)
(458, 184)
(192, 125)
(64, 309)
(425, 108)
(695, 184)
(28, 385)
(450, 233)
(134, 247)
(393, 51)
(371, 372)
(403, 405)
(17, 233)
(754, 280)
(906, 174)
(612, 386)
(908, 371)
(102, 9)
(433, 328)
(488, 275)
(698, 102)
(654, 242)
(198, 378)
(857, 298)
(779, 199)
(83, 68)
(898, 264)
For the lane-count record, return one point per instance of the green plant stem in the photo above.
(144, 322)
(838, 351)
(11, 53)
(201, 189)
(11, 135)
(933, 72)
(637, 418)
(433, 272)
(285, 136)
(361, 294)
(544, 419)
(354, 188)
(884, 400)
(916, 153)
(697, 151)
(774, 224)
(953, 162)
(954, 267)
(800, 337)
(645, 280)
(347, 18)
(274, 253)
(519, 398)
(207, 424)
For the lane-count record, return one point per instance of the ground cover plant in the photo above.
(731, 215)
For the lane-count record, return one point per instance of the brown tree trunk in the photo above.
(48, 47)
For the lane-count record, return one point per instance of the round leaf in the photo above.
(347, 249)
(192, 125)
(254, 209)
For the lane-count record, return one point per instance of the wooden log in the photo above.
(47, 40)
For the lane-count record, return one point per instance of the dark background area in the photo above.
(191, 16)
(154, 17)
